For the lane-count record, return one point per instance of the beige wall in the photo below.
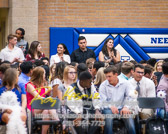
(24, 13)
(100, 13)
(4, 8)
(36, 16)
(3, 26)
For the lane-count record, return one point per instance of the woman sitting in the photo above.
(100, 77)
(35, 88)
(62, 55)
(158, 70)
(57, 79)
(34, 52)
(69, 77)
(10, 81)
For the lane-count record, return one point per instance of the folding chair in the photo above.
(46, 105)
(27, 123)
(149, 103)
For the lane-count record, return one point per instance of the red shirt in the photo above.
(30, 96)
(29, 58)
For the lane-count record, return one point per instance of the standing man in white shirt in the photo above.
(144, 86)
(12, 53)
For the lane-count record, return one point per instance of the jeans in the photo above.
(92, 129)
(160, 113)
(129, 122)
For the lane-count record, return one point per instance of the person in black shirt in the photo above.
(81, 54)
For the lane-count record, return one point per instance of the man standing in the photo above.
(23, 44)
(81, 54)
(12, 53)
(113, 94)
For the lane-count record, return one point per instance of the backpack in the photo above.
(156, 126)
(119, 126)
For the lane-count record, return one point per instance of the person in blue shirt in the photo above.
(9, 83)
(26, 71)
(126, 71)
(113, 94)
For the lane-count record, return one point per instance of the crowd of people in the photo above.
(105, 83)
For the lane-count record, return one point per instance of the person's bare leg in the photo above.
(53, 114)
(45, 127)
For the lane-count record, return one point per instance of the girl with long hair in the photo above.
(35, 88)
(158, 66)
(62, 55)
(10, 80)
(57, 79)
(109, 54)
(100, 77)
(158, 70)
(69, 77)
(34, 51)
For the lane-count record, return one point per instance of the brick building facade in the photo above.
(90, 13)
(100, 13)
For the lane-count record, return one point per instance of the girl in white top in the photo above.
(57, 79)
(62, 55)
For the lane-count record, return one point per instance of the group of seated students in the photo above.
(77, 78)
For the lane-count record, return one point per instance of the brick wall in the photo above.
(100, 13)
(4, 3)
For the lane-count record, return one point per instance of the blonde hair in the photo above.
(90, 61)
(100, 76)
(37, 75)
(155, 67)
(65, 74)
(53, 66)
